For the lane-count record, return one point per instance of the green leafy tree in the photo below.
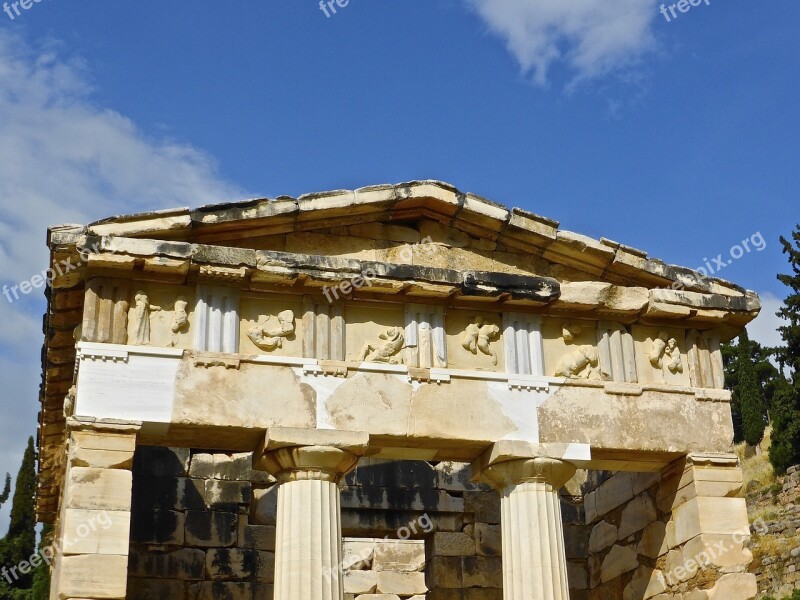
(20, 542)
(785, 450)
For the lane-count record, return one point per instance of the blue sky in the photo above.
(679, 138)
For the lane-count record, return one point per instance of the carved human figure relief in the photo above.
(386, 351)
(269, 336)
(478, 336)
(580, 363)
(180, 319)
(144, 312)
(583, 362)
(665, 353)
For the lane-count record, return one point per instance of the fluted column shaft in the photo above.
(308, 545)
(308, 542)
(534, 558)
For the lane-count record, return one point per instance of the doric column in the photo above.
(534, 559)
(93, 533)
(309, 464)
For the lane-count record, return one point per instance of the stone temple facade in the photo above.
(402, 391)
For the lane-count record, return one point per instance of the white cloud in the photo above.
(591, 37)
(764, 329)
(63, 159)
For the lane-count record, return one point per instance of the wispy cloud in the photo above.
(764, 329)
(591, 37)
(63, 159)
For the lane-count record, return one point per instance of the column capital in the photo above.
(323, 463)
(301, 454)
(541, 469)
(512, 462)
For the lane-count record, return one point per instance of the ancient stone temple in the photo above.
(398, 392)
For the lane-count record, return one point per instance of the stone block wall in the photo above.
(192, 534)
(776, 537)
(676, 535)
(203, 528)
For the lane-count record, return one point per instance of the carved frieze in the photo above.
(387, 350)
(270, 332)
(478, 336)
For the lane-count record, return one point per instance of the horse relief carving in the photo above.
(269, 333)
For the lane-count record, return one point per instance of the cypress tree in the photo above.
(750, 395)
(785, 450)
(6, 491)
(20, 542)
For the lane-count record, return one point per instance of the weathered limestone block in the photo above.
(488, 539)
(637, 515)
(161, 462)
(453, 544)
(227, 495)
(214, 590)
(621, 559)
(444, 572)
(227, 564)
(654, 542)
(719, 550)
(378, 597)
(142, 589)
(400, 556)
(101, 576)
(264, 508)
(725, 516)
(158, 527)
(646, 583)
(98, 489)
(485, 506)
(96, 531)
(211, 529)
(457, 477)
(358, 554)
(578, 575)
(256, 537)
(402, 584)
(603, 535)
(734, 586)
(102, 450)
(186, 564)
(360, 582)
(482, 571)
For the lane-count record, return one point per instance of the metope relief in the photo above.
(665, 355)
(180, 320)
(143, 312)
(478, 337)
(582, 362)
(270, 332)
(387, 350)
